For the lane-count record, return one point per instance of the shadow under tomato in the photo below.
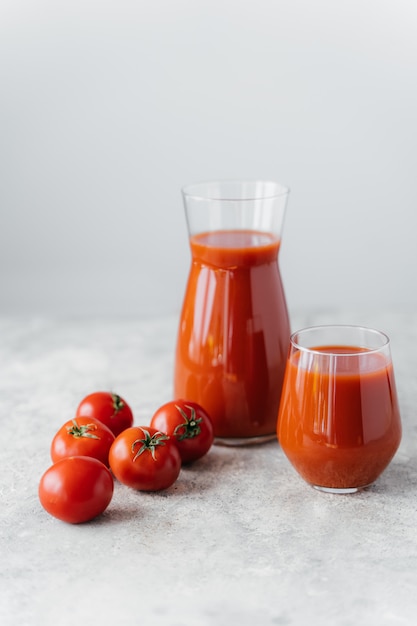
(205, 474)
(117, 514)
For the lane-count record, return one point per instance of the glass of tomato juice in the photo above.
(234, 331)
(339, 422)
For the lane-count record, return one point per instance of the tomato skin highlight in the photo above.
(140, 467)
(107, 407)
(189, 424)
(76, 489)
(82, 436)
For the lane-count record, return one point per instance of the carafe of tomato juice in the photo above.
(234, 331)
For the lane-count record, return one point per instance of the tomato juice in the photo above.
(234, 332)
(339, 422)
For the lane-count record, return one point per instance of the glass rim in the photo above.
(367, 329)
(192, 190)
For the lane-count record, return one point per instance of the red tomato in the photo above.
(145, 459)
(189, 424)
(107, 407)
(76, 489)
(83, 436)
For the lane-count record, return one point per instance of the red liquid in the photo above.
(234, 332)
(339, 425)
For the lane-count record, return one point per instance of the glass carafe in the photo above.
(234, 329)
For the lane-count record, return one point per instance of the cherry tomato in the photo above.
(189, 424)
(107, 407)
(82, 436)
(145, 459)
(76, 489)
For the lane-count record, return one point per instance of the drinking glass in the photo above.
(234, 331)
(339, 420)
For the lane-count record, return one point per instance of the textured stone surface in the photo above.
(239, 539)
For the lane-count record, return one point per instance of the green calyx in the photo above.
(82, 431)
(118, 403)
(148, 443)
(190, 428)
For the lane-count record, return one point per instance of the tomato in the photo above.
(145, 459)
(189, 424)
(107, 407)
(76, 489)
(83, 436)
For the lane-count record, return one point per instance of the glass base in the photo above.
(341, 491)
(244, 441)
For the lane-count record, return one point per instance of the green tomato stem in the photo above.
(190, 428)
(82, 431)
(149, 442)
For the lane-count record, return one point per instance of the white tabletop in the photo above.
(239, 538)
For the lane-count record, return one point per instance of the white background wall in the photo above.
(107, 108)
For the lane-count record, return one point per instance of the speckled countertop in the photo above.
(239, 539)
